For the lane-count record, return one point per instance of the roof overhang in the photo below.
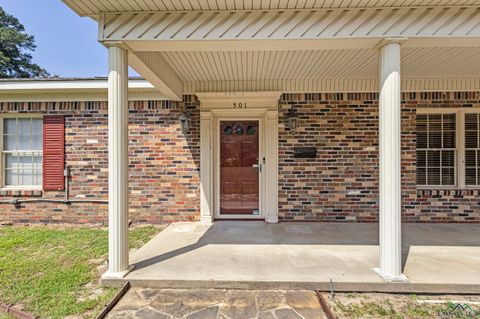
(53, 90)
(94, 7)
(291, 46)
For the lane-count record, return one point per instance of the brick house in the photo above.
(266, 111)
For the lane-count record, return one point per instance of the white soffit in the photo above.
(456, 68)
(94, 7)
(320, 64)
(419, 22)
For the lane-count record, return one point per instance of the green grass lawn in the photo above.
(53, 272)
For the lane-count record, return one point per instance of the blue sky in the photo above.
(66, 43)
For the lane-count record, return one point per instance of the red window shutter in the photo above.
(53, 152)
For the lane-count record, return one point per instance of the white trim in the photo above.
(71, 90)
(216, 165)
(76, 97)
(2, 160)
(67, 84)
(206, 172)
(260, 105)
(460, 149)
(86, 7)
(271, 166)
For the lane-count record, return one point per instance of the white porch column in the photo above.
(117, 163)
(390, 156)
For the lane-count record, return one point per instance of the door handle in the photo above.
(258, 167)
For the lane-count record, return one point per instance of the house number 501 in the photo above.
(240, 105)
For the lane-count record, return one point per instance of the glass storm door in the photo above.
(239, 168)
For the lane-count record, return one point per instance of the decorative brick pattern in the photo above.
(163, 168)
(340, 184)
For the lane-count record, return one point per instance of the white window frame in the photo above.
(460, 143)
(2, 164)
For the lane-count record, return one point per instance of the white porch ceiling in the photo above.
(320, 70)
(94, 7)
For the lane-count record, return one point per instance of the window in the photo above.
(448, 147)
(436, 149)
(22, 151)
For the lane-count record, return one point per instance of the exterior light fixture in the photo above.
(185, 121)
(292, 119)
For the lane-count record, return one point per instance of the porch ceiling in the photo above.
(318, 70)
(94, 7)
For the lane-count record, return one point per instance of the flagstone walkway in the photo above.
(147, 303)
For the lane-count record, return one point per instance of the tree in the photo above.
(15, 48)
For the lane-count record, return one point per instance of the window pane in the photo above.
(10, 126)
(433, 158)
(471, 139)
(448, 176)
(24, 126)
(471, 122)
(449, 139)
(37, 166)
(23, 142)
(470, 176)
(422, 140)
(421, 176)
(470, 158)
(9, 142)
(37, 126)
(435, 122)
(37, 142)
(435, 139)
(448, 158)
(10, 161)
(421, 158)
(26, 177)
(11, 177)
(433, 177)
(449, 122)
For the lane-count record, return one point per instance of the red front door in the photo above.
(239, 171)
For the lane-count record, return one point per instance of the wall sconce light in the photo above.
(292, 119)
(185, 121)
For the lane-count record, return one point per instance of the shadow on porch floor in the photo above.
(256, 255)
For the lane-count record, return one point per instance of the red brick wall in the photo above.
(341, 184)
(163, 168)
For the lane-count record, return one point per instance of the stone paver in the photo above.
(146, 303)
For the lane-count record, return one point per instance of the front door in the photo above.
(239, 168)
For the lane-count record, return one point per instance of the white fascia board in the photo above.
(75, 97)
(54, 90)
(67, 85)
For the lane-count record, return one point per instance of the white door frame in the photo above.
(215, 107)
(216, 167)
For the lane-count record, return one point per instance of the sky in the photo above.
(67, 44)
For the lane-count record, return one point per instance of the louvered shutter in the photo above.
(53, 152)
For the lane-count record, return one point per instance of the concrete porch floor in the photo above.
(437, 258)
